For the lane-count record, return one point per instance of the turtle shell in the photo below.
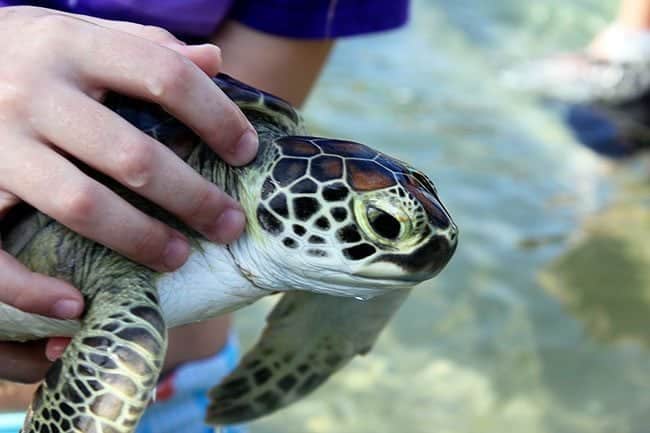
(245, 96)
(361, 168)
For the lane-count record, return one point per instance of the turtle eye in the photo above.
(384, 224)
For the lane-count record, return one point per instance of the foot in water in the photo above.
(614, 69)
(606, 90)
(613, 132)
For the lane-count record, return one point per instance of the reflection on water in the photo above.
(604, 279)
(537, 325)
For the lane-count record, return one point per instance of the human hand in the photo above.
(50, 107)
(61, 67)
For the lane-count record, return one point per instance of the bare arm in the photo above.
(285, 67)
(635, 14)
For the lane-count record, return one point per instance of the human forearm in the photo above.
(285, 67)
(635, 14)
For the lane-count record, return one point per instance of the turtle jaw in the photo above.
(427, 262)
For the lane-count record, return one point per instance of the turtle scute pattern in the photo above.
(311, 185)
(104, 380)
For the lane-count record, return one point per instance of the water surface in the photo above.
(541, 323)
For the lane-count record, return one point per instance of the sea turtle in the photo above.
(342, 230)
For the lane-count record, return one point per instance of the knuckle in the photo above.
(214, 132)
(205, 209)
(229, 128)
(61, 31)
(10, 11)
(137, 163)
(148, 244)
(157, 34)
(203, 203)
(78, 206)
(170, 77)
(15, 97)
(23, 300)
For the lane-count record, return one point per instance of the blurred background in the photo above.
(541, 323)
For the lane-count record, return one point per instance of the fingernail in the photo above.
(51, 355)
(229, 226)
(246, 148)
(176, 252)
(55, 348)
(67, 309)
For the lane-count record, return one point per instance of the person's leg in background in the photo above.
(627, 38)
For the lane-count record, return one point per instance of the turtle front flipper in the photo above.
(308, 337)
(104, 380)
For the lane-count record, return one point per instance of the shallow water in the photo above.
(541, 323)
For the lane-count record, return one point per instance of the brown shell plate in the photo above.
(361, 167)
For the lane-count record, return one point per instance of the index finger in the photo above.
(137, 67)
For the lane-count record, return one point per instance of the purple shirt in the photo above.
(315, 19)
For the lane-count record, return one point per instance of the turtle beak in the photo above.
(422, 264)
(428, 260)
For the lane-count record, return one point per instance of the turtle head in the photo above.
(337, 217)
(408, 234)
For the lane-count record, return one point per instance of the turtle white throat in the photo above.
(207, 285)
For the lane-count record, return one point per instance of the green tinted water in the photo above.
(541, 323)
